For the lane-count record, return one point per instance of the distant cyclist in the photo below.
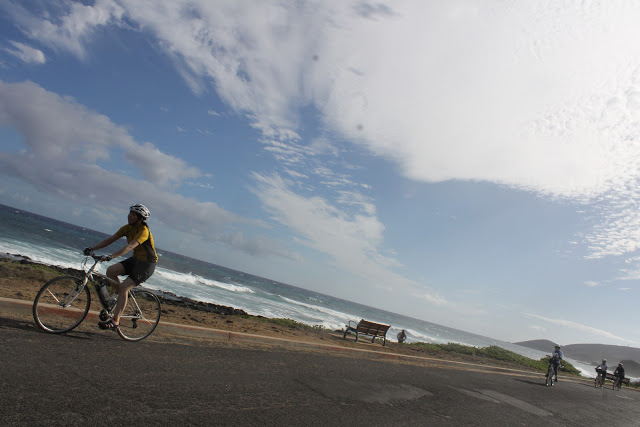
(601, 370)
(619, 372)
(402, 336)
(555, 359)
(139, 267)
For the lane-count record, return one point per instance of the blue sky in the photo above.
(473, 164)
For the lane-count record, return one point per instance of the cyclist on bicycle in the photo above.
(619, 372)
(601, 370)
(555, 359)
(139, 267)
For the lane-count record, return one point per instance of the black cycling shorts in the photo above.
(138, 271)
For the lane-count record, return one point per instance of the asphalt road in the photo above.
(94, 378)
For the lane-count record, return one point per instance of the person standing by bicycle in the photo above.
(556, 357)
(601, 370)
(139, 267)
(619, 372)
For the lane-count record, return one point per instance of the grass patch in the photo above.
(495, 353)
(26, 271)
(289, 323)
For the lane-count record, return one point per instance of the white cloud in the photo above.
(69, 25)
(64, 145)
(539, 107)
(352, 237)
(591, 283)
(531, 96)
(321, 225)
(43, 118)
(579, 327)
(26, 53)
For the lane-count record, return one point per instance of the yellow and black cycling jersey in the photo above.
(146, 250)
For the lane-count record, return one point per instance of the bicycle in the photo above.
(550, 372)
(63, 303)
(617, 383)
(599, 378)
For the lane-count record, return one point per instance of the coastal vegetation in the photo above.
(27, 271)
(288, 323)
(495, 353)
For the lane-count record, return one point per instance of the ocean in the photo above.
(54, 242)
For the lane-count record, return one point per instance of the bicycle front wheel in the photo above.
(140, 316)
(61, 304)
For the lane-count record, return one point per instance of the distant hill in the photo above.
(540, 345)
(592, 354)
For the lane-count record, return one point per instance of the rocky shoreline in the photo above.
(168, 298)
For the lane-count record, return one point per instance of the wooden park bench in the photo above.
(612, 377)
(364, 327)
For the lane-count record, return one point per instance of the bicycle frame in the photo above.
(88, 275)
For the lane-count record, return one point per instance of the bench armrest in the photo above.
(352, 325)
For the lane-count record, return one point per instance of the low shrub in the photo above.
(290, 323)
(496, 353)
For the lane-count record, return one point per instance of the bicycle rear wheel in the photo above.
(61, 304)
(140, 316)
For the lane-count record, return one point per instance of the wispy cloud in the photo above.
(65, 143)
(26, 53)
(67, 26)
(569, 134)
(579, 327)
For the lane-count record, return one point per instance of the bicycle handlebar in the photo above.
(98, 258)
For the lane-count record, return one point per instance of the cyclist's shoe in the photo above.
(108, 324)
(556, 380)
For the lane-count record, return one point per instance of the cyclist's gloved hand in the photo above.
(105, 258)
(87, 251)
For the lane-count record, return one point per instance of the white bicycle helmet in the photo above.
(140, 210)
